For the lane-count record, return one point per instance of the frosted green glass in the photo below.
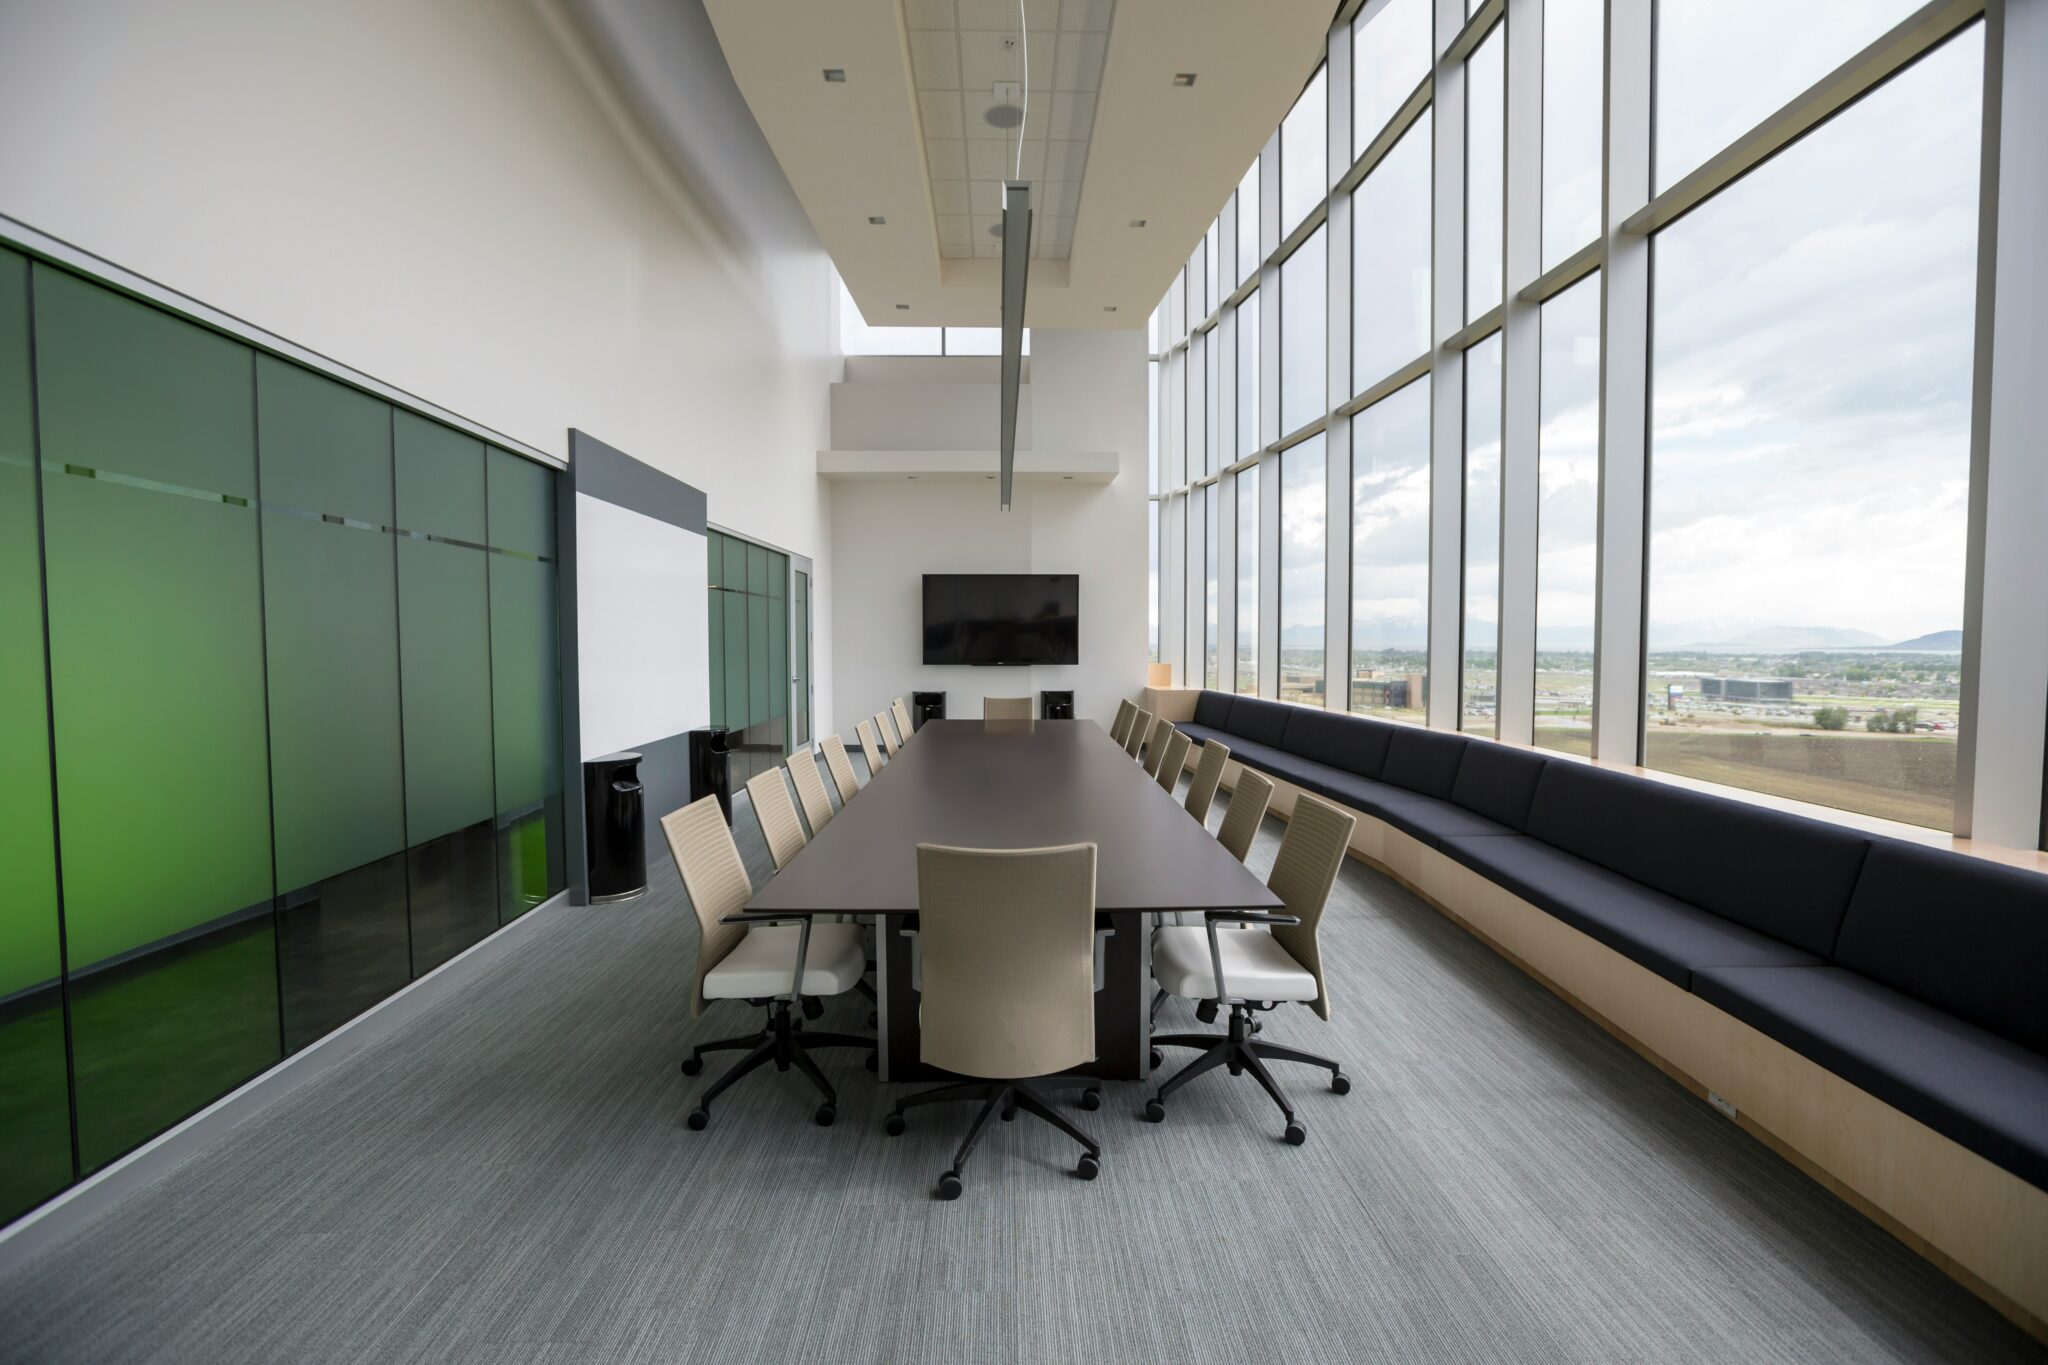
(735, 578)
(522, 504)
(525, 711)
(778, 656)
(445, 659)
(757, 570)
(35, 1111)
(715, 571)
(714, 617)
(757, 660)
(156, 659)
(440, 479)
(735, 605)
(331, 617)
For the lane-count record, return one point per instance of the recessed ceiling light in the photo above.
(1137, 222)
(1109, 308)
(1183, 79)
(836, 75)
(910, 476)
(876, 220)
(1002, 115)
(1067, 477)
(902, 307)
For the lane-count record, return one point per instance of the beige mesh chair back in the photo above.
(1141, 724)
(1006, 708)
(716, 879)
(810, 789)
(1304, 870)
(1155, 744)
(1248, 802)
(887, 730)
(1008, 940)
(864, 731)
(1208, 772)
(902, 715)
(1121, 726)
(769, 796)
(1176, 758)
(842, 768)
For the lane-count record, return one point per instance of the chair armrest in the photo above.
(746, 918)
(803, 942)
(1249, 917)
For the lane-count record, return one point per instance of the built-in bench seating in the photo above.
(1917, 974)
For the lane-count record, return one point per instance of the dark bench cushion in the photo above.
(1782, 875)
(1202, 734)
(1351, 743)
(1985, 1092)
(1424, 761)
(1213, 710)
(1962, 934)
(1498, 781)
(1670, 937)
(1258, 720)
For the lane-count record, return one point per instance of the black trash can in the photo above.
(926, 706)
(1055, 705)
(711, 767)
(615, 828)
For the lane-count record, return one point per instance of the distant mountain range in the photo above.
(1774, 638)
(1936, 642)
(1409, 633)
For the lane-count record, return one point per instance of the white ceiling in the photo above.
(1109, 139)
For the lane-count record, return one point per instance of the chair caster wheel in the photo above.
(1091, 1098)
(824, 1115)
(692, 1065)
(1087, 1168)
(697, 1119)
(1009, 1113)
(1340, 1084)
(950, 1186)
(874, 1062)
(1206, 1011)
(1158, 1059)
(1155, 1112)
(893, 1125)
(1296, 1134)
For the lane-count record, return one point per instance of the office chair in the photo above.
(769, 796)
(1174, 759)
(902, 715)
(1134, 738)
(1208, 773)
(1278, 961)
(864, 731)
(810, 789)
(1006, 708)
(1008, 985)
(769, 960)
(1121, 726)
(887, 730)
(1155, 744)
(841, 768)
(1248, 802)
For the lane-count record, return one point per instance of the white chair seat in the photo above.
(1255, 966)
(762, 963)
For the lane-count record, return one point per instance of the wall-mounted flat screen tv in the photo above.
(1002, 618)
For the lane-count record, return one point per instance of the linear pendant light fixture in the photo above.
(1016, 265)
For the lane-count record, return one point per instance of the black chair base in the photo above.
(782, 1040)
(1006, 1097)
(1242, 1051)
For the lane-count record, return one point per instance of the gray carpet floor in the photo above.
(509, 1179)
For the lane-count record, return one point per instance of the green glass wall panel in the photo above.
(778, 656)
(735, 661)
(522, 505)
(714, 619)
(324, 448)
(757, 660)
(735, 578)
(757, 570)
(525, 684)
(440, 479)
(715, 571)
(444, 642)
(35, 1106)
(155, 640)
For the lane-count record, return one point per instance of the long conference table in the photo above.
(1016, 784)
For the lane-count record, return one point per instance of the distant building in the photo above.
(1389, 693)
(1747, 689)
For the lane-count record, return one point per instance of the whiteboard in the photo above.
(642, 642)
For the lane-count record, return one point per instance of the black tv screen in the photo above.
(1002, 618)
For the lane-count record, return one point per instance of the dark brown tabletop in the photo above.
(1013, 784)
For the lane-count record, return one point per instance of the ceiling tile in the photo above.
(1078, 65)
(1073, 116)
(1053, 238)
(947, 159)
(928, 14)
(956, 233)
(940, 111)
(1065, 160)
(1057, 198)
(949, 196)
(1039, 15)
(1092, 15)
(999, 160)
(984, 60)
(975, 105)
(935, 60)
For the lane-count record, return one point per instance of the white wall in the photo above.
(451, 197)
(1087, 393)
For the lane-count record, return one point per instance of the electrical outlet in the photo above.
(1726, 1107)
